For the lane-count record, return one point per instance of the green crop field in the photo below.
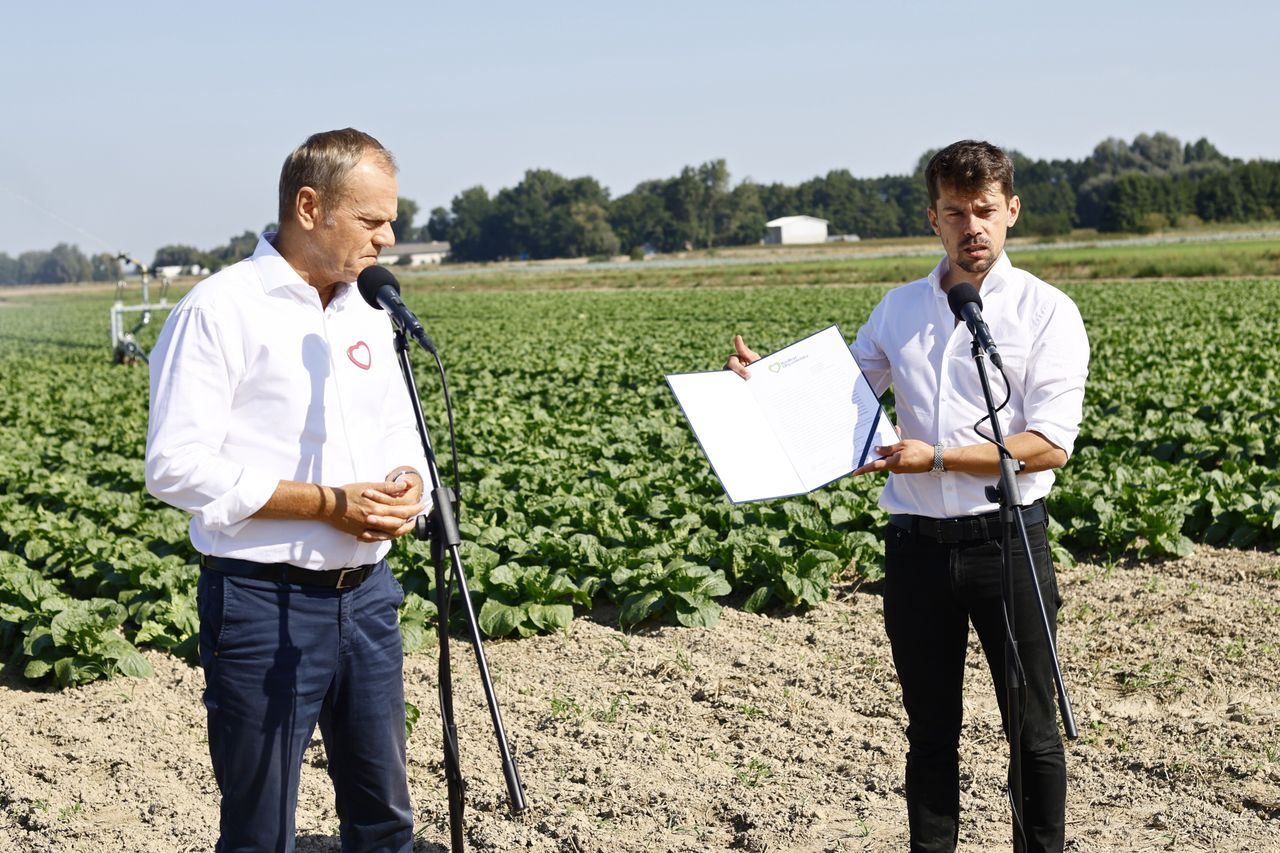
(582, 485)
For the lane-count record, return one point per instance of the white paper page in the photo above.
(807, 417)
(816, 400)
(745, 454)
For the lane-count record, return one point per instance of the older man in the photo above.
(279, 420)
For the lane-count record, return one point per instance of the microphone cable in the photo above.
(453, 438)
(1008, 393)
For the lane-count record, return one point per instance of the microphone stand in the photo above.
(441, 527)
(1009, 496)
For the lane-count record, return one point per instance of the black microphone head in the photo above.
(958, 296)
(373, 279)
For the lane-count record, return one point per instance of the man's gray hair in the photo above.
(323, 163)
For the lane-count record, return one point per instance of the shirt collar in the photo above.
(998, 277)
(275, 272)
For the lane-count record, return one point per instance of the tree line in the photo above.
(1148, 184)
(235, 249)
(67, 263)
(1151, 183)
(63, 263)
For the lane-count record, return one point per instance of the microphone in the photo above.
(966, 304)
(381, 290)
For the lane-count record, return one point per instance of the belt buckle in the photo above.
(949, 534)
(342, 578)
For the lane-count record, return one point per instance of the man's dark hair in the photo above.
(969, 167)
(322, 163)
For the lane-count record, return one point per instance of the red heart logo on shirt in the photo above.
(360, 355)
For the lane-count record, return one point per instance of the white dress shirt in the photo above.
(252, 383)
(913, 342)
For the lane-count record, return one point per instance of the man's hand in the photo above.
(742, 356)
(909, 456)
(407, 481)
(371, 512)
(376, 512)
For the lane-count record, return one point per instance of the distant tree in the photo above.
(106, 267)
(866, 207)
(406, 209)
(778, 200)
(1112, 156)
(837, 197)
(905, 199)
(30, 264)
(536, 218)
(713, 200)
(922, 163)
(1246, 192)
(65, 263)
(178, 255)
(523, 216)
(1091, 199)
(592, 236)
(696, 200)
(437, 227)
(640, 218)
(9, 270)
(680, 196)
(743, 220)
(1159, 151)
(1220, 198)
(1261, 182)
(1203, 151)
(1047, 209)
(471, 230)
(1134, 197)
(1048, 201)
(236, 249)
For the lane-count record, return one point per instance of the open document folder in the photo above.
(805, 418)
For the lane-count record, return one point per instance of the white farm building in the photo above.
(796, 229)
(417, 254)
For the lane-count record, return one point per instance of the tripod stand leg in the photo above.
(456, 786)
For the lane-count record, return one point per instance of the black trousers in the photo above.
(933, 591)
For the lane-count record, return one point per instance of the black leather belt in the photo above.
(966, 528)
(285, 573)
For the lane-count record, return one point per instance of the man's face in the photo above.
(973, 226)
(352, 231)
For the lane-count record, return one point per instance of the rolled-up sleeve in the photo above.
(192, 386)
(1056, 371)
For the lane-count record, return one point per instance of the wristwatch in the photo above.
(938, 468)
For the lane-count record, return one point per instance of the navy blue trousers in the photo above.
(280, 658)
(932, 593)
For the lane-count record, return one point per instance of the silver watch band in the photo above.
(937, 460)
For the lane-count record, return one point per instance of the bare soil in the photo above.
(765, 733)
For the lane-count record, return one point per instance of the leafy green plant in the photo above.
(582, 485)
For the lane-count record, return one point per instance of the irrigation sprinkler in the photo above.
(125, 348)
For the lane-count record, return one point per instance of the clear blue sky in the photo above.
(151, 123)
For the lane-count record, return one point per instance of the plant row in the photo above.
(582, 485)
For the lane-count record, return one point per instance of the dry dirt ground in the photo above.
(765, 733)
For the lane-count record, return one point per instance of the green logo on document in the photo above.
(778, 366)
